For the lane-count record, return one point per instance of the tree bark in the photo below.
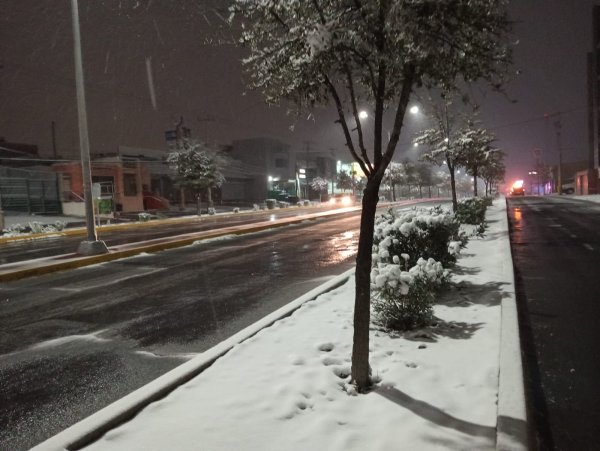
(182, 198)
(211, 204)
(453, 189)
(198, 204)
(362, 300)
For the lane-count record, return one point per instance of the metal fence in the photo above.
(29, 191)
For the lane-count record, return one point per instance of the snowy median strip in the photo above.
(94, 426)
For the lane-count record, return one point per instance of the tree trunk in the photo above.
(198, 204)
(182, 198)
(362, 300)
(211, 204)
(429, 188)
(453, 188)
(475, 183)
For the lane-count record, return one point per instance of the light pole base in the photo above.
(92, 248)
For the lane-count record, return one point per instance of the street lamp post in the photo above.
(91, 246)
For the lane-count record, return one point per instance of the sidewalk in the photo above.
(283, 383)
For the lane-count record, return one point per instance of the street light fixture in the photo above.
(414, 109)
(363, 114)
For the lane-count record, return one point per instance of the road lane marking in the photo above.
(588, 246)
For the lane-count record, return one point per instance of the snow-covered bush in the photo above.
(472, 211)
(212, 211)
(60, 225)
(36, 227)
(256, 207)
(418, 233)
(13, 230)
(403, 300)
(236, 210)
(144, 217)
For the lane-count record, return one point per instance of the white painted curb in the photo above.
(511, 427)
(94, 426)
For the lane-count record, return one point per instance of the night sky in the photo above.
(125, 40)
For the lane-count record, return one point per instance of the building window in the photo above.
(129, 184)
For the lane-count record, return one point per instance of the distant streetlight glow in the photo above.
(363, 115)
(416, 145)
(414, 109)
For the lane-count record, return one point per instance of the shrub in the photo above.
(36, 227)
(15, 229)
(236, 210)
(144, 217)
(472, 211)
(60, 225)
(403, 300)
(418, 233)
(212, 211)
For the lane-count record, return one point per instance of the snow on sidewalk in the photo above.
(286, 387)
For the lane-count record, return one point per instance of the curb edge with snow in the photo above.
(91, 428)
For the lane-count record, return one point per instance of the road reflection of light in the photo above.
(272, 218)
(517, 226)
(340, 247)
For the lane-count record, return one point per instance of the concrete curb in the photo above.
(93, 427)
(511, 426)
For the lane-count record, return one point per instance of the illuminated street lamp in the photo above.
(414, 109)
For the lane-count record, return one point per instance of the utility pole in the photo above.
(92, 246)
(307, 148)
(54, 154)
(558, 129)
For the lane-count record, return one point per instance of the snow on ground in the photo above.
(590, 197)
(286, 388)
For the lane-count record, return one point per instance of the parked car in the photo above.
(568, 186)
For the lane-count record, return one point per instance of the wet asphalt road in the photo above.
(73, 342)
(21, 250)
(556, 252)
